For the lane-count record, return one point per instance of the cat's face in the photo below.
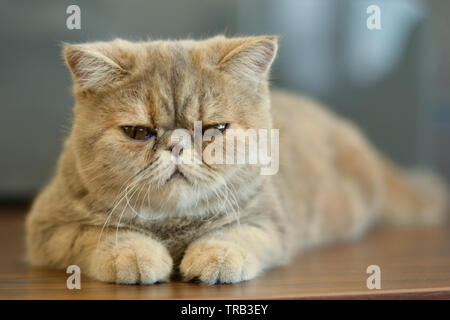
(132, 99)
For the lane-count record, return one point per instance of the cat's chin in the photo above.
(179, 199)
(179, 193)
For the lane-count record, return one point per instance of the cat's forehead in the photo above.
(171, 84)
(174, 89)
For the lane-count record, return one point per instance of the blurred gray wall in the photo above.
(384, 80)
(35, 96)
(378, 78)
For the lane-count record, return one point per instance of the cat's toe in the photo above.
(133, 261)
(214, 261)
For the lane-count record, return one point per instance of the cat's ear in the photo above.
(251, 58)
(91, 68)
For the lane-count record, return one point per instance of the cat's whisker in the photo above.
(124, 210)
(122, 194)
(229, 192)
(115, 205)
(153, 175)
(227, 204)
(143, 176)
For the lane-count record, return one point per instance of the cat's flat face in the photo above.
(132, 99)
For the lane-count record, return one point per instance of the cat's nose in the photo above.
(176, 149)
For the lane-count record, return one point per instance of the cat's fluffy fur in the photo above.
(332, 185)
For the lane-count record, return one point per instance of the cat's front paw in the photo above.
(215, 261)
(134, 260)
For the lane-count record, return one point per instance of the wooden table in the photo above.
(414, 264)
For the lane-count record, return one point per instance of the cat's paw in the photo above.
(215, 261)
(134, 260)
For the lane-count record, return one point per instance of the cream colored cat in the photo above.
(121, 209)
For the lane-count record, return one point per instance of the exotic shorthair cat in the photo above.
(122, 209)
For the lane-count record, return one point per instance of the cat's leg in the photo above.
(125, 257)
(233, 254)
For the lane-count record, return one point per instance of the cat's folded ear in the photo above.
(250, 58)
(91, 67)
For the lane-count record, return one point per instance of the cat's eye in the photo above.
(138, 132)
(220, 126)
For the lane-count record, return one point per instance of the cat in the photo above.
(121, 209)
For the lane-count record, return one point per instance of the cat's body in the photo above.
(231, 223)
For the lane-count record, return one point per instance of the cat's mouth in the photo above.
(177, 175)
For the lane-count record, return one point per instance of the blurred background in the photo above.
(393, 82)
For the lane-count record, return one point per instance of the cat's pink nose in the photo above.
(176, 149)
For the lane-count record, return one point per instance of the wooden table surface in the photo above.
(414, 264)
